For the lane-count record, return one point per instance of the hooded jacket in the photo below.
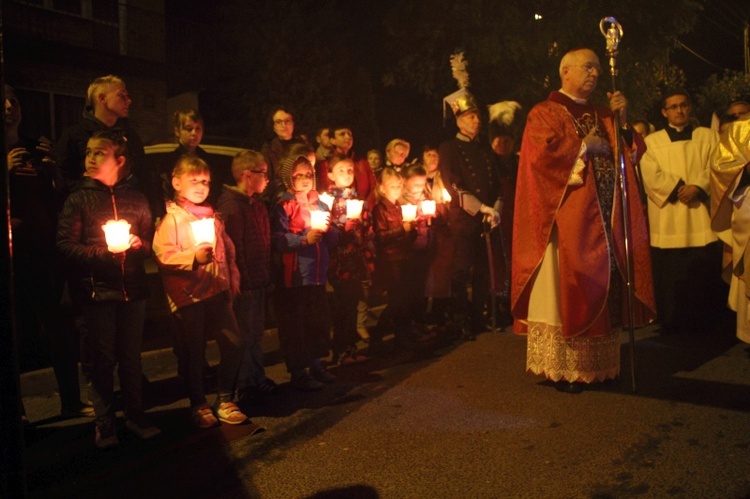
(302, 264)
(94, 273)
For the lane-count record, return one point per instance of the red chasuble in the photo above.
(544, 199)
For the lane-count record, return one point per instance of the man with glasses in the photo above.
(568, 271)
(685, 251)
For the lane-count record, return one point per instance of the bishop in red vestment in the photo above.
(568, 290)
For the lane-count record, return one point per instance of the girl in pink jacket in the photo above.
(200, 279)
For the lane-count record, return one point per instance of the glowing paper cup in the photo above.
(428, 208)
(117, 235)
(446, 196)
(408, 212)
(354, 208)
(203, 231)
(319, 220)
(327, 199)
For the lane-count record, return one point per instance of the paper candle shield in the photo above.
(117, 235)
(327, 199)
(354, 208)
(408, 212)
(428, 207)
(203, 231)
(319, 220)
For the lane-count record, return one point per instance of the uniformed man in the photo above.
(467, 167)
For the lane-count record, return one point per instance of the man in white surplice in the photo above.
(684, 250)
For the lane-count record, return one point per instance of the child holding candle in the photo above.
(438, 285)
(393, 241)
(301, 273)
(418, 264)
(200, 279)
(110, 287)
(351, 261)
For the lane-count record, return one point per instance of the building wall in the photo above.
(58, 53)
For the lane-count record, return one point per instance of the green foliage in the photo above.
(721, 90)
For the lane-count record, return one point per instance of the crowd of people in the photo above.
(470, 234)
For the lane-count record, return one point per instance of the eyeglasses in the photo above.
(260, 172)
(287, 121)
(591, 67)
(675, 107)
(299, 176)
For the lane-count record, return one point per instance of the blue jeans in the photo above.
(250, 311)
(114, 331)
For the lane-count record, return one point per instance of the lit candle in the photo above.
(409, 212)
(117, 235)
(203, 231)
(354, 208)
(319, 220)
(428, 208)
(327, 199)
(446, 196)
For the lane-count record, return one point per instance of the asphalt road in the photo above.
(464, 421)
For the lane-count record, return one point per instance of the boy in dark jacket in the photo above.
(109, 282)
(247, 224)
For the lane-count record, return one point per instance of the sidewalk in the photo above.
(464, 421)
(39, 388)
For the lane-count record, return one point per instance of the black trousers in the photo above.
(687, 285)
(115, 334)
(195, 324)
(469, 266)
(304, 327)
(346, 296)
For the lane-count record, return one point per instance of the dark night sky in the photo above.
(717, 38)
